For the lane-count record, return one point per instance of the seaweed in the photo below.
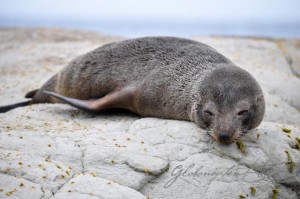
(286, 130)
(275, 193)
(290, 163)
(10, 192)
(253, 190)
(298, 143)
(59, 167)
(146, 170)
(241, 146)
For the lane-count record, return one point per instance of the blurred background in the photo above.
(134, 18)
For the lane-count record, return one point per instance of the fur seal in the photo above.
(165, 77)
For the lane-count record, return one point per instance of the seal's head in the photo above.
(231, 102)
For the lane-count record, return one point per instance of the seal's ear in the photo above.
(259, 110)
(259, 99)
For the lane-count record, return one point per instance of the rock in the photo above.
(56, 151)
(16, 187)
(148, 164)
(291, 50)
(80, 187)
(206, 175)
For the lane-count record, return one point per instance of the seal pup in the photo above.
(165, 77)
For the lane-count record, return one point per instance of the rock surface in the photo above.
(56, 151)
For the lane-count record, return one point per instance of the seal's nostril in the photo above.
(224, 136)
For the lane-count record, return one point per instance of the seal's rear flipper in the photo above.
(4, 109)
(80, 104)
(119, 99)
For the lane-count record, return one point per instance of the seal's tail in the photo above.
(4, 109)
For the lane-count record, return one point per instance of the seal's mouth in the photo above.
(224, 142)
(227, 142)
(226, 138)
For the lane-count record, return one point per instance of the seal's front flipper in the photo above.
(118, 99)
(4, 109)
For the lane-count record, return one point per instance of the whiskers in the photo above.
(213, 135)
(238, 134)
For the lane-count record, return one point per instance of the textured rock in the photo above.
(291, 50)
(56, 151)
(80, 187)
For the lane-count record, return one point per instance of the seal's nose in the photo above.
(224, 137)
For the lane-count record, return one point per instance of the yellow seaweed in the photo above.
(253, 190)
(286, 130)
(275, 193)
(290, 163)
(241, 146)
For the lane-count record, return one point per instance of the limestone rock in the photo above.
(56, 151)
(89, 186)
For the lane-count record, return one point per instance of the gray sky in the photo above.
(177, 10)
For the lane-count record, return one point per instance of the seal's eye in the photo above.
(208, 113)
(243, 113)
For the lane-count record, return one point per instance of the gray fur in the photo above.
(168, 77)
